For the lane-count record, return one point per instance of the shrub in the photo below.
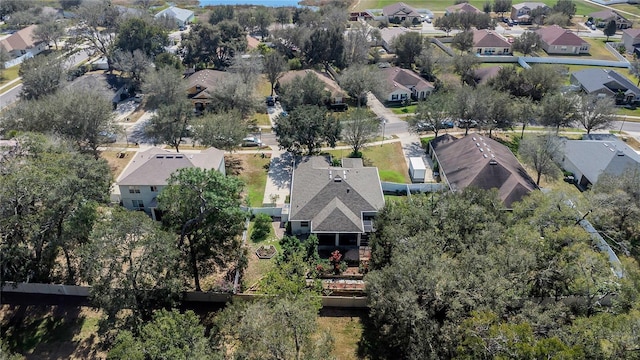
(261, 227)
(294, 64)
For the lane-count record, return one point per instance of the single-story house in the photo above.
(148, 172)
(389, 35)
(489, 42)
(484, 74)
(631, 40)
(399, 12)
(602, 18)
(337, 95)
(522, 12)
(481, 162)
(181, 16)
(23, 42)
(200, 85)
(556, 40)
(608, 83)
(588, 159)
(403, 84)
(462, 8)
(365, 15)
(337, 203)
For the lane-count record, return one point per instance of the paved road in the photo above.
(9, 97)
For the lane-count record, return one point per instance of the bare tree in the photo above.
(356, 44)
(49, 31)
(131, 63)
(274, 67)
(97, 22)
(540, 152)
(163, 86)
(360, 127)
(595, 113)
(223, 131)
(358, 80)
(248, 67)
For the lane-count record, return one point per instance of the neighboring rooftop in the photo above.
(595, 157)
(334, 198)
(329, 84)
(529, 5)
(610, 81)
(463, 7)
(406, 79)
(479, 161)
(176, 13)
(21, 40)
(400, 8)
(154, 166)
(556, 35)
(489, 38)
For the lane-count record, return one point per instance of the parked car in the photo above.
(251, 141)
(467, 123)
(108, 137)
(271, 101)
(448, 124)
(593, 27)
(422, 126)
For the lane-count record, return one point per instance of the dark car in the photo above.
(422, 126)
(467, 124)
(448, 124)
(271, 101)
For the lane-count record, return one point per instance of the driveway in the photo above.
(278, 178)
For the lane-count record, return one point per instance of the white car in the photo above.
(251, 141)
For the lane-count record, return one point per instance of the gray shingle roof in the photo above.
(594, 157)
(484, 163)
(176, 13)
(593, 80)
(399, 8)
(154, 166)
(333, 198)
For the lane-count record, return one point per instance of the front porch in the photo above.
(345, 240)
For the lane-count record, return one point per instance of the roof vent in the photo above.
(179, 157)
(481, 150)
(168, 157)
(159, 156)
(330, 174)
(620, 153)
(493, 162)
(344, 174)
(485, 156)
(478, 144)
(474, 139)
(337, 179)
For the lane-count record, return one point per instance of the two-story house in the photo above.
(521, 13)
(602, 18)
(148, 172)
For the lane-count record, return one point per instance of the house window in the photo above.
(403, 96)
(154, 188)
(563, 48)
(584, 48)
(479, 51)
(137, 204)
(134, 189)
(394, 97)
(304, 224)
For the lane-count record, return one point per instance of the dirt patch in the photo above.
(117, 160)
(346, 328)
(51, 332)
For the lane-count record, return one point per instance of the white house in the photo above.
(148, 172)
(23, 42)
(181, 16)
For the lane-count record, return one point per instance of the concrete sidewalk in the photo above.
(278, 178)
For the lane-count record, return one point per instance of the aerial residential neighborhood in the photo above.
(368, 179)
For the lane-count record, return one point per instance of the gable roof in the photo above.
(529, 5)
(329, 84)
(556, 35)
(463, 7)
(488, 38)
(605, 14)
(389, 34)
(595, 157)
(154, 166)
(176, 13)
(22, 39)
(610, 81)
(633, 33)
(206, 78)
(399, 8)
(482, 75)
(333, 198)
(484, 163)
(404, 79)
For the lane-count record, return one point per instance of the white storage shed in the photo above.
(417, 169)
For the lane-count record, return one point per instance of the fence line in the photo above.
(18, 60)
(615, 52)
(570, 61)
(411, 188)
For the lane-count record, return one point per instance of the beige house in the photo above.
(631, 40)
(489, 42)
(23, 42)
(462, 8)
(522, 12)
(148, 172)
(602, 18)
(403, 84)
(399, 12)
(556, 40)
(337, 95)
(200, 87)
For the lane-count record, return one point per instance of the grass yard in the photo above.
(582, 7)
(252, 169)
(346, 331)
(262, 119)
(9, 74)
(388, 158)
(411, 109)
(116, 163)
(634, 9)
(264, 87)
(258, 267)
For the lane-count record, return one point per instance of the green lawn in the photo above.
(262, 119)
(253, 171)
(634, 9)
(9, 74)
(388, 158)
(411, 109)
(582, 7)
(258, 267)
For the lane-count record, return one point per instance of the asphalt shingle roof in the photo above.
(556, 35)
(489, 38)
(594, 157)
(21, 40)
(399, 8)
(154, 166)
(481, 162)
(593, 80)
(176, 13)
(333, 198)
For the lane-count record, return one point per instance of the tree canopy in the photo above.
(307, 127)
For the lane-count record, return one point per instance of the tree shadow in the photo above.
(280, 170)
(42, 331)
(233, 165)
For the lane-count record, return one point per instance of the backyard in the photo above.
(117, 160)
(582, 7)
(252, 169)
(388, 158)
(257, 268)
